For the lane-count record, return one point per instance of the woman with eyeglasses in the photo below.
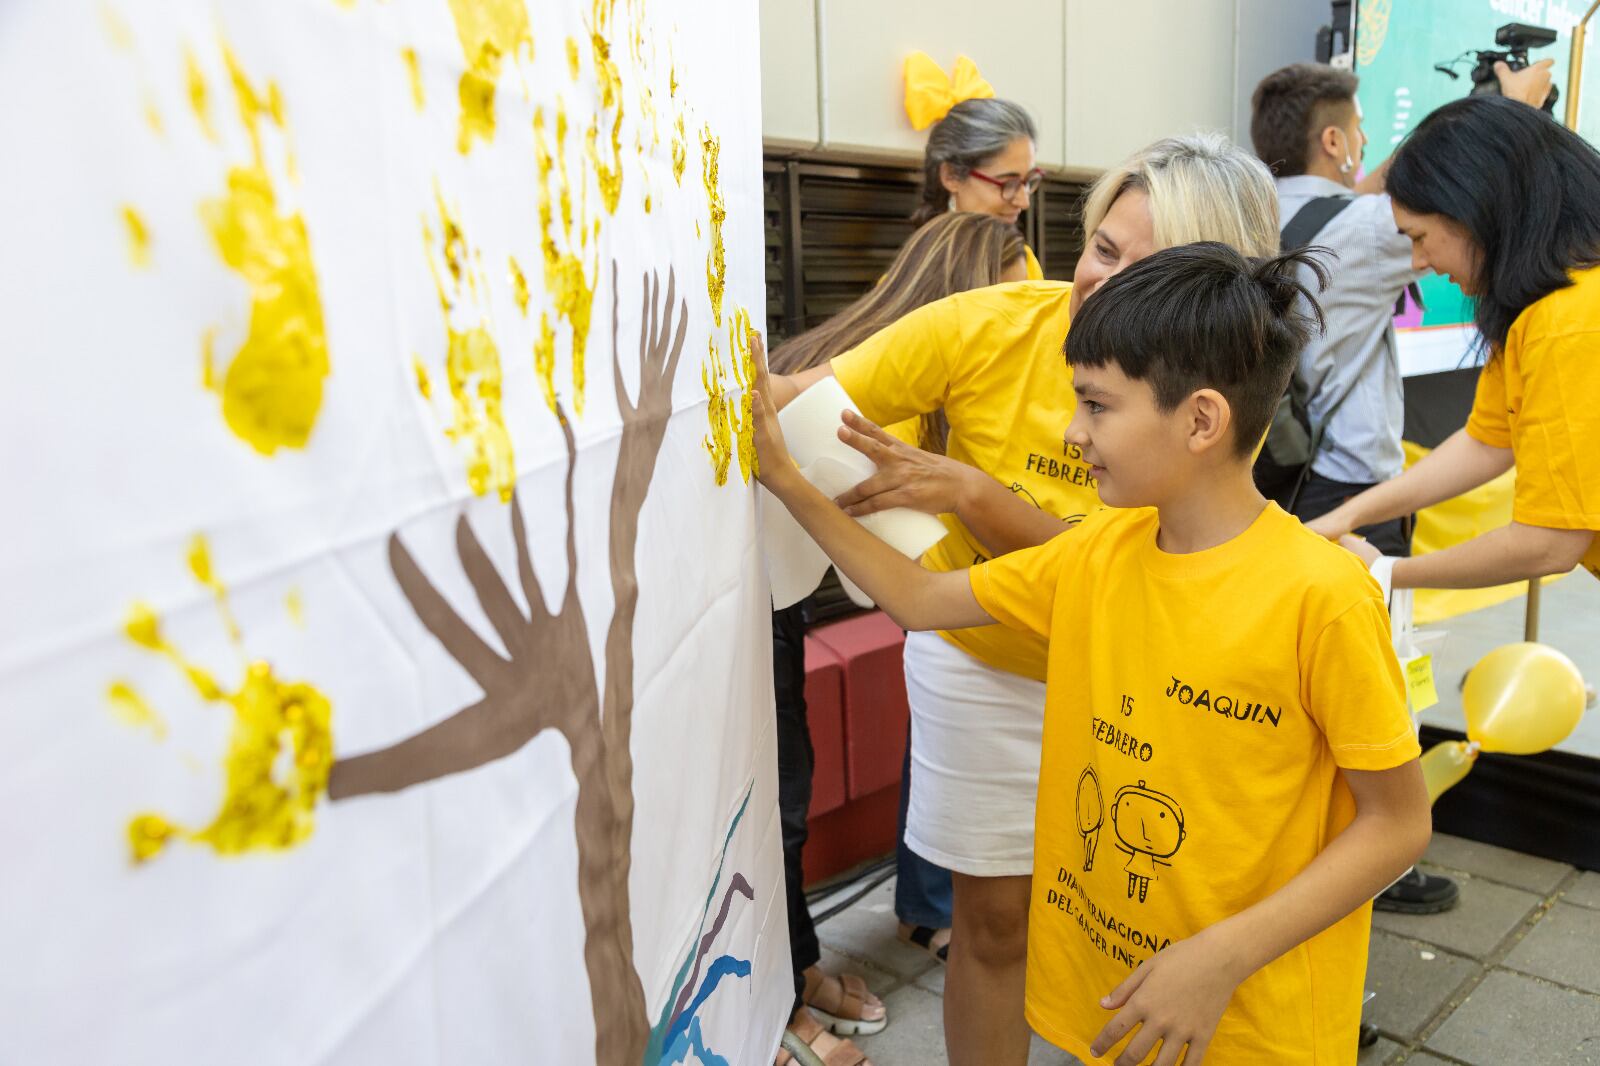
(980, 158)
(991, 359)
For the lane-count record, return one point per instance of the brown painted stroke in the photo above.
(546, 678)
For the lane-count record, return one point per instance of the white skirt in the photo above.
(976, 733)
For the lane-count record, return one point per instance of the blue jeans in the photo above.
(921, 889)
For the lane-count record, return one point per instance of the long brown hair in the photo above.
(954, 252)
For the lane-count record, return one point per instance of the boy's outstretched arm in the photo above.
(1178, 996)
(915, 598)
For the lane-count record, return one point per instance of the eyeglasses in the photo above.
(1009, 187)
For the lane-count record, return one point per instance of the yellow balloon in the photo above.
(1522, 699)
(1445, 764)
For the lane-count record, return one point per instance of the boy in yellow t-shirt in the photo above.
(1229, 772)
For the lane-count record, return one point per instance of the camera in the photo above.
(1514, 39)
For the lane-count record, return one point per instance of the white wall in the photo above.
(1101, 77)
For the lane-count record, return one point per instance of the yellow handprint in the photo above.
(472, 358)
(279, 752)
(272, 388)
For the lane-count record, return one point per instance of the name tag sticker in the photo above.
(1419, 683)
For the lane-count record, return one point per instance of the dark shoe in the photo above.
(1369, 1035)
(1418, 893)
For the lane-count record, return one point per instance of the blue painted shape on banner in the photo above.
(676, 1033)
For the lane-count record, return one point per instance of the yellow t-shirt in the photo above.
(1541, 399)
(992, 359)
(910, 430)
(1198, 709)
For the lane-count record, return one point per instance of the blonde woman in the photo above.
(952, 253)
(991, 359)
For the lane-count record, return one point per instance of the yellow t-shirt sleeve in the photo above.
(1557, 435)
(904, 370)
(1488, 422)
(1019, 588)
(1035, 271)
(1352, 687)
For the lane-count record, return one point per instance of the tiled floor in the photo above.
(1511, 977)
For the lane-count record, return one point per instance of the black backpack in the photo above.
(1285, 460)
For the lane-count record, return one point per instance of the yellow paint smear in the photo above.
(199, 95)
(572, 58)
(680, 150)
(199, 559)
(570, 284)
(117, 30)
(276, 767)
(544, 361)
(138, 237)
(608, 171)
(472, 366)
(489, 31)
(716, 259)
(424, 386)
(731, 422)
(294, 606)
(414, 74)
(719, 442)
(741, 335)
(272, 389)
(519, 284)
(133, 710)
(152, 116)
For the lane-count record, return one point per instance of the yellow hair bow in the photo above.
(930, 94)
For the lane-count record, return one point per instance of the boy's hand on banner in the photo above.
(773, 465)
(1175, 998)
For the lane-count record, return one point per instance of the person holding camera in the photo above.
(1523, 240)
(1306, 125)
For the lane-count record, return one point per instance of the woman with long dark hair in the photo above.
(1505, 202)
(950, 254)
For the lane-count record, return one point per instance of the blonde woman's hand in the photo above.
(906, 477)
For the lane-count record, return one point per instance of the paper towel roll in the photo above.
(795, 564)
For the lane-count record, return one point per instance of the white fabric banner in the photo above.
(384, 672)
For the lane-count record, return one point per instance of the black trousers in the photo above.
(1321, 495)
(795, 761)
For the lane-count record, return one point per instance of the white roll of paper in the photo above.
(795, 564)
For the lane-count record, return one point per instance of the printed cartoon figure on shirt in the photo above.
(1149, 827)
(1091, 814)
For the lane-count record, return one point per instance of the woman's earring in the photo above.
(950, 205)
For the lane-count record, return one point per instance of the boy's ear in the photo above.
(1210, 421)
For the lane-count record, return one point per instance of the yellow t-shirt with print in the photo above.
(992, 359)
(1539, 398)
(1198, 709)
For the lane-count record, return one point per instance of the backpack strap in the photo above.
(1301, 230)
(1307, 222)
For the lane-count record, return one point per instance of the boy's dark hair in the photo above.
(1526, 189)
(1203, 316)
(1290, 109)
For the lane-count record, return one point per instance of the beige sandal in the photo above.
(812, 1032)
(844, 1017)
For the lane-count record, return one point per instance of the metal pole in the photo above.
(1575, 66)
(1530, 623)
